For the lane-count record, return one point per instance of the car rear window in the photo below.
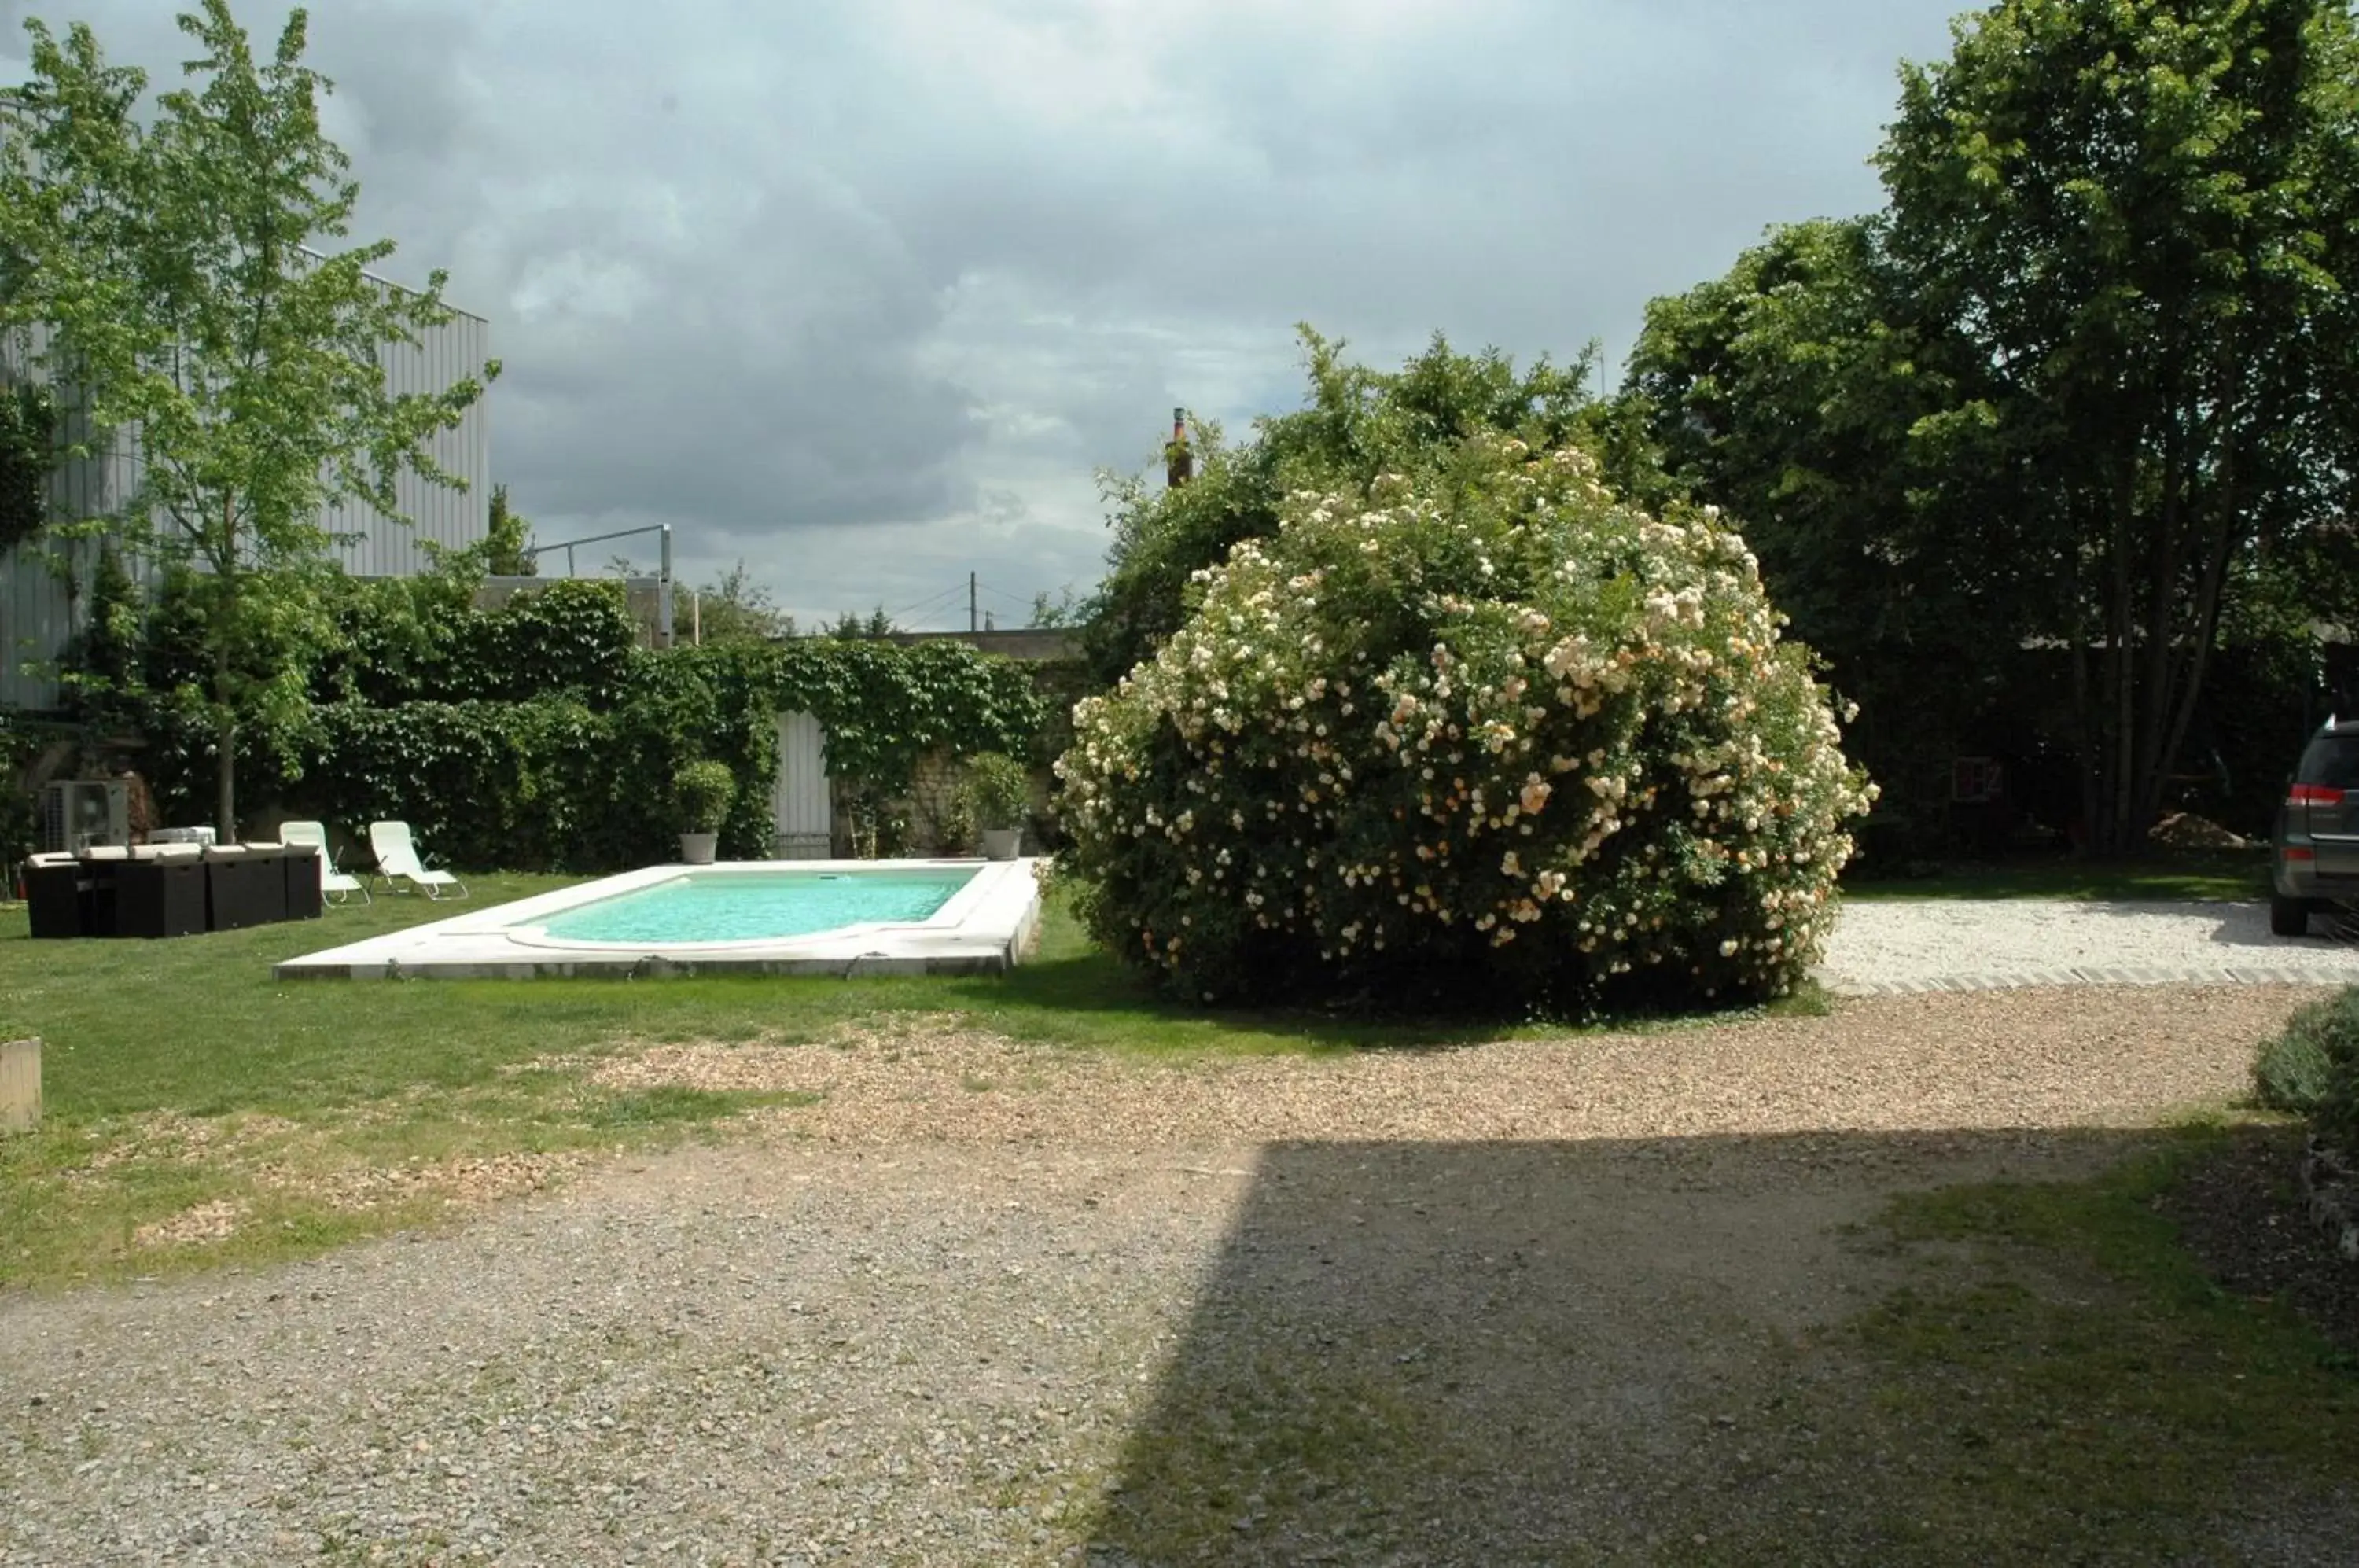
(2332, 761)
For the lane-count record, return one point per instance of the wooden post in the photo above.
(20, 1085)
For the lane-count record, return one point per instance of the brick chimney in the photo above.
(1178, 461)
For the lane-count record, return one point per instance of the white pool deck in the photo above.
(983, 928)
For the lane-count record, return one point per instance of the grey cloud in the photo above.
(861, 290)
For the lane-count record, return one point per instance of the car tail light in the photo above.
(2291, 853)
(2313, 795)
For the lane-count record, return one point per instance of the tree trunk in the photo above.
(2084, 747)
(2155, 753)
(224, 752)
(2122, 813)
(2084, 716)
(2207, 627)
(2231, 531)
(225, 782)
(225, 724)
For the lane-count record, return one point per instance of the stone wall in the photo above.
(937, 818)
(938, 822)
(1022, 644)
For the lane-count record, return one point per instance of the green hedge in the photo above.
(536, 735)
(571, 636)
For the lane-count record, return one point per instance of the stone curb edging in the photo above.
(2237, 975)
(2328, 1183)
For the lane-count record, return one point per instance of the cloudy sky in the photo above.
(863, 292)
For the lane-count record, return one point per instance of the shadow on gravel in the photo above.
(1642, 1352)
(2248, 926)
(2244, 926)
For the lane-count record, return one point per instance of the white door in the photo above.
(800, 805)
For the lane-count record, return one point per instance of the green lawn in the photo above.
(2064, 1383)
(198, 1026)
(2232, 876)
(179, 1072)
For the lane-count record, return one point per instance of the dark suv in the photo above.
(2314, 864)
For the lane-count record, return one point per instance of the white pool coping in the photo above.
(983, 929)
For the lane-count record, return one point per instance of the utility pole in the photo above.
(973, 621)
(663, 593)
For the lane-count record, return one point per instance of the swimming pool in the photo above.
(745, 917)
(703, 907)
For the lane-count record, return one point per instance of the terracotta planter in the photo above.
(697, 849)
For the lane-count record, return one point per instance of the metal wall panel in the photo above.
(41, 581)
(41, 584)
(452, 518)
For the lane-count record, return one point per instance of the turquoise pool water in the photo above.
(748, 906)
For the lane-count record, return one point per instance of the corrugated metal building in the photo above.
(42, 583)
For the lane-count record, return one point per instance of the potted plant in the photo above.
(999, 793)
(703, 790)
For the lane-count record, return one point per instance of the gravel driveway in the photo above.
(983, 1303)
(1976, 944)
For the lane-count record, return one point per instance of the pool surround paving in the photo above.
(983, 928)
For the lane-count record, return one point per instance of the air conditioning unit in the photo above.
(79, 812)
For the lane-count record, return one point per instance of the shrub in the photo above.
(703, 790)
(1497, 735)
(2311, 1068)
(2337, 1118)
(2291, 1070)
(998, 791)
(2290, 1075)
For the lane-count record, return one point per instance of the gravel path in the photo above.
(983, 1303)
(1928, 944)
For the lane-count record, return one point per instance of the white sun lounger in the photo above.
(336, 884)
(397, 861)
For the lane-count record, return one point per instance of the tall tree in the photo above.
(852, 624)
(1064, 611)
(1357, 423)
(507, 540)
(1791, 393)
(2144, 217)
(28, 454)
(173, 262)
(735, 607)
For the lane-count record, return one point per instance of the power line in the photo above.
(1020, 604)
(931, 602)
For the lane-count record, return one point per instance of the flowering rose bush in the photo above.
(1495, 735)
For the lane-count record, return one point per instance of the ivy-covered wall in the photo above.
(536, 735)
